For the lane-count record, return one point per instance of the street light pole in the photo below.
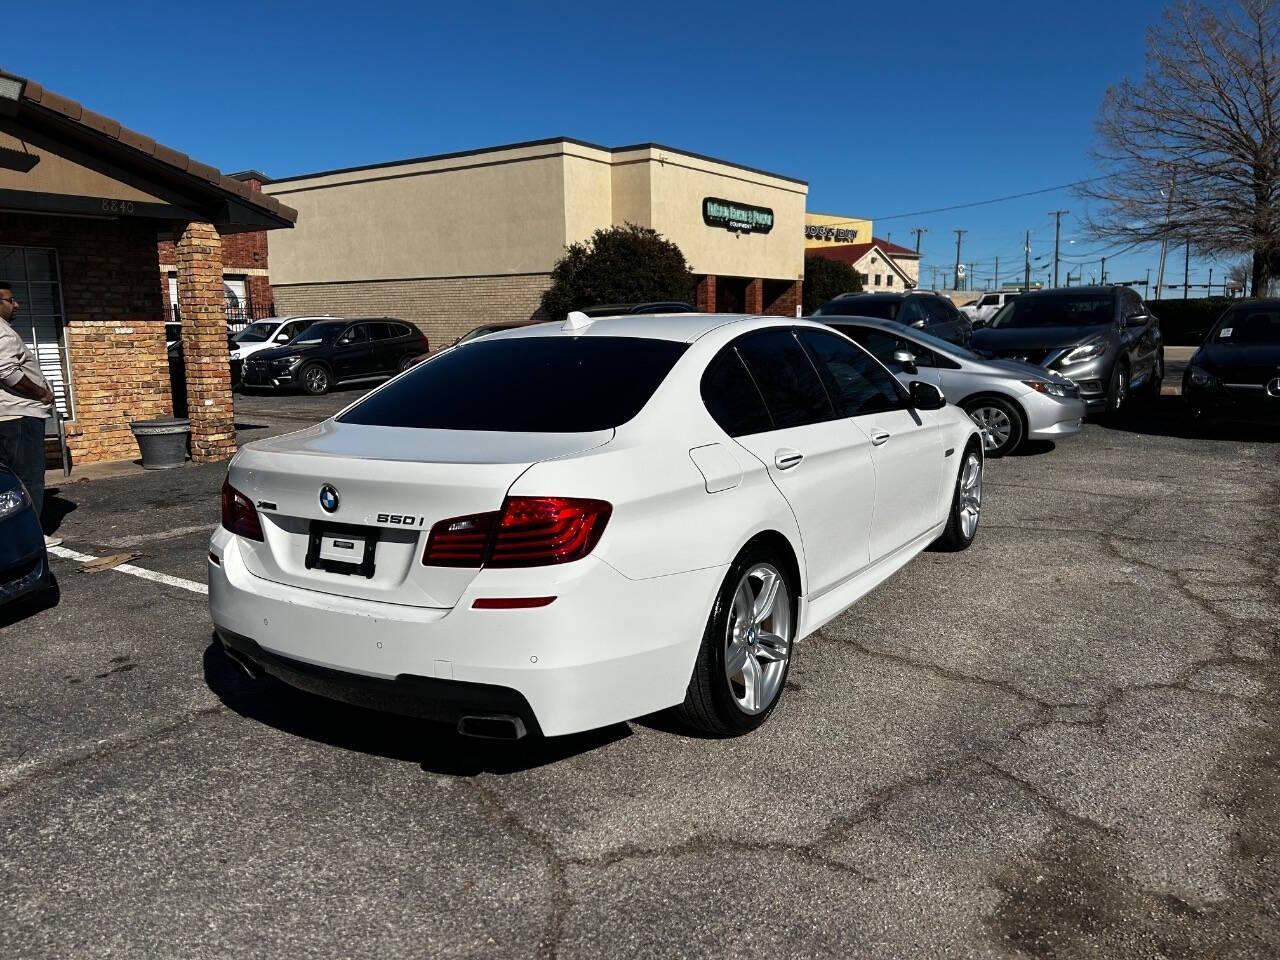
(1104, 270)
(1026, 249)
(959, 234)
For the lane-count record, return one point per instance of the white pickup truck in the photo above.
(985, 307)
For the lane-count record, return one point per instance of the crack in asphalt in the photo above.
(20, 779)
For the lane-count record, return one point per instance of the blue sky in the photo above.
(884, 108)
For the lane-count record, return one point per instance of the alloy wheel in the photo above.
(970, 501)
(758, 638)
(317, 380)
(995, 425)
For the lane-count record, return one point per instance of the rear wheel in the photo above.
(966, 504)
(1157, 377)
(1001, 424)
(745, 655)
(315, 379)
(407, 362)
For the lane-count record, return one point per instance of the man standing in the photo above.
(26, 402)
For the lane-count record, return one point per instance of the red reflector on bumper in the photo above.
(509, 603)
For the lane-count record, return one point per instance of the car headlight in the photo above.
(1047, 386)
(289, 361)
(1086, 351)
(11, 501)
(1200, 377)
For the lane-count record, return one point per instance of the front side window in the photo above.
(525, 385)
(356, 334)
(857, 383)
(788, 383)
(731, 396)
(883, 346)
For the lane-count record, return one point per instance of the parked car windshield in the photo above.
(255, 332)
(882, 309)
(324, 331)
(1057, 310)
(1250, 325)
(525, 385)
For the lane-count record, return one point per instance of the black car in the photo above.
(1236, 371)
(1102, 338)
(930, 312)
(330, 352)
(24, 565)
(621, 309)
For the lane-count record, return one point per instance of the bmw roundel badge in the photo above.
(329, 498)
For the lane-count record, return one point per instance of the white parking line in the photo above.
(129, 568)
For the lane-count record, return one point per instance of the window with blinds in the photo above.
(33, 271)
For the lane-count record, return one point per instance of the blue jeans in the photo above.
(22, 451)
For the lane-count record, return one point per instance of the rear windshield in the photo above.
(525, 385)
(880, 308)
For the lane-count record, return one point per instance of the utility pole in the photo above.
(959, 234)
(918, 231)
(1057, 234)
(1146, 286)
(1164, 240)
(995, 281)
(1211, 281)
(1104, 270)
(1026, 249)
(1186, 272)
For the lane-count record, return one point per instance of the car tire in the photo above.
(406, 363)
(722, 701)
(315, 379)
(966, 503)
(1118, 389)
(1001, 422)
(1157, 378)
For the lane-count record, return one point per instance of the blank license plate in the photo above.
(342, 547)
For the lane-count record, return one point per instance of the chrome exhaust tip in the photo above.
(493, 726)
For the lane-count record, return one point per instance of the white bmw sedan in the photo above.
(559, 527)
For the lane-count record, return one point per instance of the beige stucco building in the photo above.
(884, 266)
(454, 241)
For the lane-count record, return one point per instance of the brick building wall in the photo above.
(114, 331)
(443, 309)
(120, 373)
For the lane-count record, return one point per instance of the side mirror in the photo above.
(282, 338)
(905, 359)
(1137, 320)
(925, 396)
(919, 324)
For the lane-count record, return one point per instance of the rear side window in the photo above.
(379, 331)
(400, 330)
(790, 386)
(525, 385)
(731, 396)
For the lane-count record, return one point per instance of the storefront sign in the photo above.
(818, 231)
(739, 217)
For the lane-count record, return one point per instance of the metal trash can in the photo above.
(163, 442)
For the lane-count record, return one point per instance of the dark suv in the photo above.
(1103, 338)
(930, 312)
(337, 351)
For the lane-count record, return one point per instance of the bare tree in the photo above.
(1193, 149)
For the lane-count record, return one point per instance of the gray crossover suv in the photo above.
(1102, 338)
(1010, 401)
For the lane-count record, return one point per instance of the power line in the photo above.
(982, 203)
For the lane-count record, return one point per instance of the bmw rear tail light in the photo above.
(239, 514)
(526, 532)
(426, 344)
(460, 541)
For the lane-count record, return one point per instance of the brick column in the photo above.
(755, 296)
(706, 295)
(204, 343)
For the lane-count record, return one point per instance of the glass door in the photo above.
(40, 322)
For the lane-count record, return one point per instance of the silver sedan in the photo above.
(1010, 401)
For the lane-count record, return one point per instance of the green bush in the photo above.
(824, 279)
(628, 264)
(1185, 323)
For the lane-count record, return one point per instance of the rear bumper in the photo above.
(1248, 401)
(606, 649)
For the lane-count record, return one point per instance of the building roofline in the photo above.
(456, 155)
(44, 102)
(243, 175)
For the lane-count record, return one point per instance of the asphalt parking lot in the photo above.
(1061, 743)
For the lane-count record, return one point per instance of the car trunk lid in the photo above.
(391, 485)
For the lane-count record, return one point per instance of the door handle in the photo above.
(787, 458)
(879, 436)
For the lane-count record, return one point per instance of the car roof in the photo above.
(1071, 291)
(680, 327)
(873, 295)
